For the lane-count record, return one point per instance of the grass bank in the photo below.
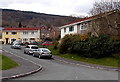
(7, 63)
(107, 61)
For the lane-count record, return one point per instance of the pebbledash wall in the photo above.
(22, 34)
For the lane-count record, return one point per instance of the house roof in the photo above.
(90, 18)
(14, 28)
(78, 21)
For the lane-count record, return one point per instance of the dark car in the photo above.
(42, 52)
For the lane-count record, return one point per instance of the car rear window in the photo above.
(46, 50)
(34, 47)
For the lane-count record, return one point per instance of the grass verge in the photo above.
(7, 63)
(107, 61)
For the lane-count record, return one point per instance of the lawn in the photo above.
(107, 61)
(7, 63)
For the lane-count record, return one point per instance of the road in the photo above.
(56, 70)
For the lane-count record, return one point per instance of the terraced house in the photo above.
(22, 34)
(105, 23)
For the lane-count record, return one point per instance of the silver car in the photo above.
(42, 52)
(30, 49)
(16, 46)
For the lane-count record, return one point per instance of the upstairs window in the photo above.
(25, 32)
(6, 33)
(32, 32)
(64, 30)
(14, 33)
(83, 26)
(71, 28)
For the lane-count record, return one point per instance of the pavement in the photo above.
(25, 67)
(78, 63)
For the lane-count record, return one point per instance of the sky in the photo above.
(56, 7)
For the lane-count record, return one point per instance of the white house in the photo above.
(79, 27)
(30, 34)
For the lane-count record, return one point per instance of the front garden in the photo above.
(101, 50)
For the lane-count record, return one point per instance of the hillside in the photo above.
(12, 18)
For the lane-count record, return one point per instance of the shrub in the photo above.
(89, 46)
(68, 42)
(55, 44)
(97, 47)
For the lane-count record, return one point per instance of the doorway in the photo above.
(7, 40)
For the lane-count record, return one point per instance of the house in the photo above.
(22, 34)
(105, 23)
(79, 27)
(54, 32)
(44, 32)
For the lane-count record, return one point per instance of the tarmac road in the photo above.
(56, 70)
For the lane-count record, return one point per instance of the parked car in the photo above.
(47, 43)
(42, 52)
(16, 46)
(30, 48)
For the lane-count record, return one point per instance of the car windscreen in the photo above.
(34, 47)
(45, 50)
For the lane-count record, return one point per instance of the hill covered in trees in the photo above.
(12, 18)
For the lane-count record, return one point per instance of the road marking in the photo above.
(22, 58)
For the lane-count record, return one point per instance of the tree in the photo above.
(104, 6)
(20, 25)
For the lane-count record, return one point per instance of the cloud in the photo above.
(4, 3)
(59, 7)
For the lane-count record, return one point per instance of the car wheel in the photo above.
(39, 57)
(28, 53)
(33, 55)
(24, 52)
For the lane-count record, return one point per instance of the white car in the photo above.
(42, 52)
(29, 49)
(16, 46)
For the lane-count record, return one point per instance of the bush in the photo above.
(92, 47)
(68, 42)
(55, 44)
(97, 47)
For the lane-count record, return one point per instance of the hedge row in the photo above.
(89, 46)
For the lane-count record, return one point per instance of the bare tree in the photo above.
(105, 18)
(104, 6)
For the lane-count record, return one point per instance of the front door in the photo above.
(7, 40)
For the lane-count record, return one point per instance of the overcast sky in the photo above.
(57, 7)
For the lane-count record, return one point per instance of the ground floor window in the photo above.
(25, 39)
(12, 40)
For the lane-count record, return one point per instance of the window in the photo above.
(25, 32)
(83, 26)
(13, 33)
(32, 38)
(71, 28)
(27, 47)
(6, 33)
(64, 30)
(25, 39)
(34, 47)
(32, 32)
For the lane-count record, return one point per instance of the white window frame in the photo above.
(13, 32)
(83, 26)
(72, 29)
(64, 30)
(25, 33)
